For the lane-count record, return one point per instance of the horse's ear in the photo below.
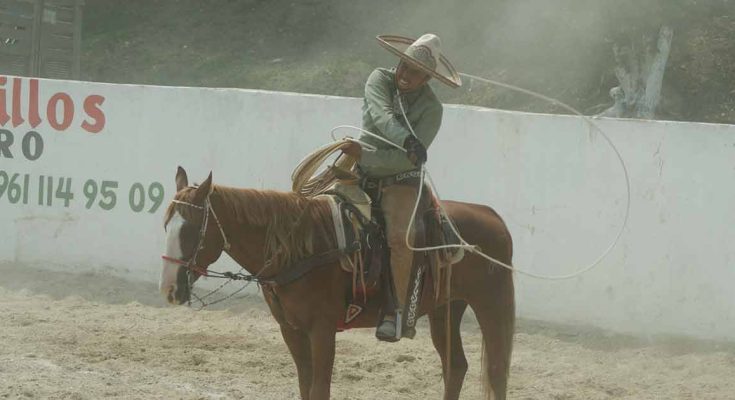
(182, 180)
(204, 190)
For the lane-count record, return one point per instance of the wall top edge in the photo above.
(332, 97)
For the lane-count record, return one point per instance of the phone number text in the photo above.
(45, 190)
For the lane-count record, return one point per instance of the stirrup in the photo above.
(390, 331)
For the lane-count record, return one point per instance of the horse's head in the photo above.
(194, 239)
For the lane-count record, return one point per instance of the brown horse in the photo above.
(266, 231)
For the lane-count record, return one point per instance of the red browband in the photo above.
(198, 270)
(173, 260)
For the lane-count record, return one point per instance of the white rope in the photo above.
(367, 146)
(463, 243)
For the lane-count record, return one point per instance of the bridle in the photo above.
(191, 263)
(282, 278)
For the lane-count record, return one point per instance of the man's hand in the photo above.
(354, 150)
(415, 151)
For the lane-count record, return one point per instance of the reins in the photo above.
(283, 277)
(191, 264)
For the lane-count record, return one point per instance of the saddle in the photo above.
(362, 248)
(358, 221)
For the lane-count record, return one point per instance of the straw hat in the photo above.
(423, 53)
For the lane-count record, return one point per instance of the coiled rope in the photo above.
(474, 249)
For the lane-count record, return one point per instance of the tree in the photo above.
(640, 68)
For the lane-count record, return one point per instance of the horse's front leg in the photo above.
(297, 341)
(322, 337)
(300, 347)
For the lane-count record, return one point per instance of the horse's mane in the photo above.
(296, 227)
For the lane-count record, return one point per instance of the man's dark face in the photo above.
(409, 78)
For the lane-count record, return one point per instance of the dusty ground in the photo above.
(92, 336)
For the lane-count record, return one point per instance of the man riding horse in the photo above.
(251, 225)
(401, 107)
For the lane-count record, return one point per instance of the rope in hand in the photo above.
(463, 243)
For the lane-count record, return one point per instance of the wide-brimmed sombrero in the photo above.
(423, 53)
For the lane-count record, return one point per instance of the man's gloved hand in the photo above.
(415, 151)
(353, 149)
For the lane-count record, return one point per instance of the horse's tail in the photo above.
(494, 375)
(497, 338)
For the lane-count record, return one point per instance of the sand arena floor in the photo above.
(92, 336)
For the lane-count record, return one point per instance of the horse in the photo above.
(265, 231)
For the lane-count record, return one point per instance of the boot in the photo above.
(387, 329)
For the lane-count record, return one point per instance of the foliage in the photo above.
(561, 48)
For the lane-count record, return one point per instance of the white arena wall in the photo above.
(555, 181)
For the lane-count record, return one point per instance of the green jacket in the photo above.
(381, 115)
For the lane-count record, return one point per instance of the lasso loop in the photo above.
(463, 243)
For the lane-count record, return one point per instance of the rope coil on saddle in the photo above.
(307, 184)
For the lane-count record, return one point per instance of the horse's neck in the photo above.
(248, 239)
(247, 248)
(247, 244)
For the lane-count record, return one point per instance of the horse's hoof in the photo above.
(409, 333)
